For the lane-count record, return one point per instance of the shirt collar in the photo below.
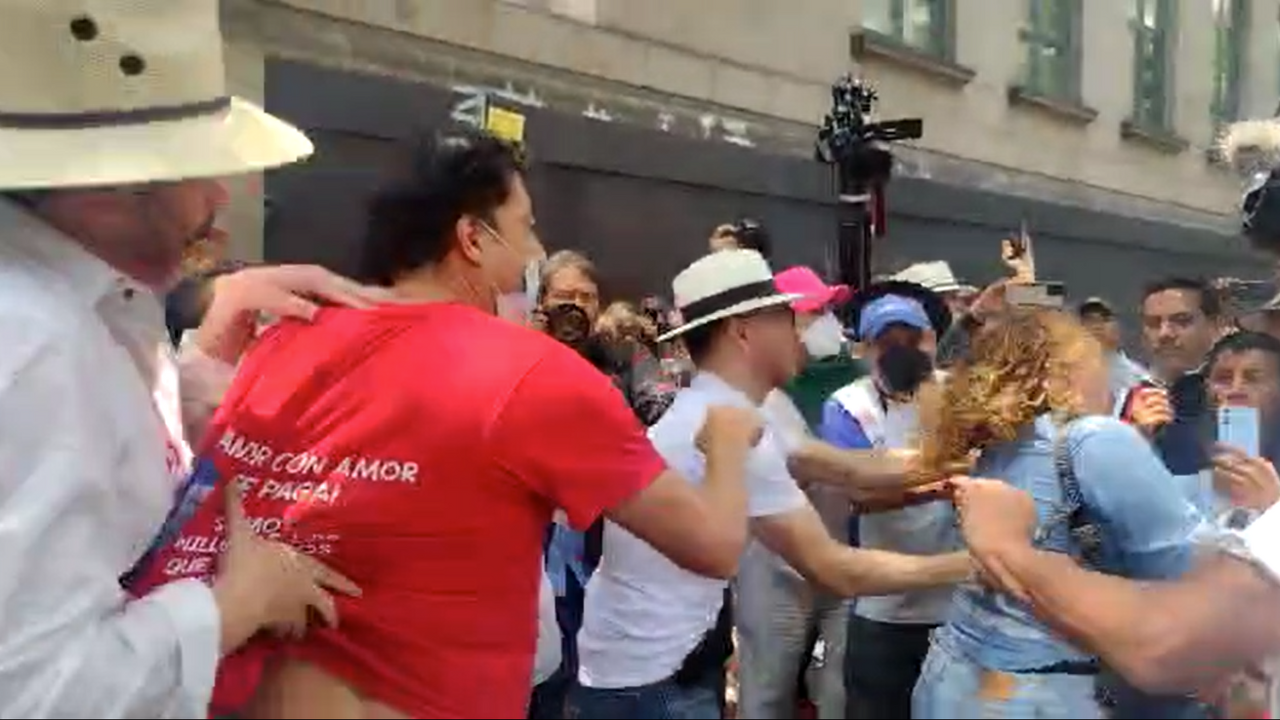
(87, 275)
(714, 385)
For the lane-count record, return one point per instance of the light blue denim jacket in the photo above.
(1146, 523)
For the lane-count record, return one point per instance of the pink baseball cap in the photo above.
(817, 294)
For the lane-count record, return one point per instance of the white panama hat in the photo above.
(935, 275)
(721, 285)
(120, 92)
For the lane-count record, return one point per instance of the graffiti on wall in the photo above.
(471, 99)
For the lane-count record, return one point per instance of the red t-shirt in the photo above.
(420, 451)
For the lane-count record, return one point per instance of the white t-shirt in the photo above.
(1262, 540)
(643, 614)
(547, 657)
(832, 503)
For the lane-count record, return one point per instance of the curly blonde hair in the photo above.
(623, 322)
(1022, 367)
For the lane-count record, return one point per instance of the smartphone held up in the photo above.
(1239, 427)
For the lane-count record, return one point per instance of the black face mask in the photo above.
(903, 368)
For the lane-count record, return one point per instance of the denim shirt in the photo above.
(1146, 524)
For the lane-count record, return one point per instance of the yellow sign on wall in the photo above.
(506, 124)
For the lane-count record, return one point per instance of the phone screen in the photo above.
(1041, 294)
(1238, 427)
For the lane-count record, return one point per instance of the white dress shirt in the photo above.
(643, 614)
(91, 446)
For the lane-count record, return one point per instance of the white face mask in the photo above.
(518, 306)
(824, 337)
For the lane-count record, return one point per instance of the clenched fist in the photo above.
(730, 428)
(1150, 409)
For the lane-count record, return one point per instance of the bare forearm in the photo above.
(856, 572)
(857, 471)
(724, 490)
(1169, 636)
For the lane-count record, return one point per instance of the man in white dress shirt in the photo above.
(642, 643)
(114, 130)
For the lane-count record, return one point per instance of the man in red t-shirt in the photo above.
(420, 449)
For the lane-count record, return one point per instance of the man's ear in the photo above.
(469, 233)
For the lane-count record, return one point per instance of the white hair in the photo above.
(1250, 146)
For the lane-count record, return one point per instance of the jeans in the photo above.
(548, 700)
(881, 665)
(953, 686)
(660, 701)
(778, 613)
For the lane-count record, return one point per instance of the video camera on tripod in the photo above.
(856, 145)
(858, 148)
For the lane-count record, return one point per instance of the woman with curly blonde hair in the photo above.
(1031, 405)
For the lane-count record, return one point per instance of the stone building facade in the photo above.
(1042, 101)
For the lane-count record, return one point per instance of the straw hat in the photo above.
(118, 92)
(722, 285)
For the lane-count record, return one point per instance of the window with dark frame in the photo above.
(920, 24)
(1051, 41)
(1154, 27)
(1230, 18)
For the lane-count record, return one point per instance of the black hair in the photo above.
(698, 341)
(410, 220)
(751, 235)
(1210, 302)
(1244, 341)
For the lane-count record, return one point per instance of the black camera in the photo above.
(856, 145)
(568, 324)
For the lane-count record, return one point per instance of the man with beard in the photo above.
(889, 636)
(114, 136)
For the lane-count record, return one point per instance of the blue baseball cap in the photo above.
(879, 314)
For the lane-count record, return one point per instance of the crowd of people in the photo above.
(461, 485)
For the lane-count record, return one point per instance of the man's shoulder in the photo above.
(38, 318)
(29, 292)
(1103, 434)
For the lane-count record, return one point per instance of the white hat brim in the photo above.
(240, 139)
(741, 308)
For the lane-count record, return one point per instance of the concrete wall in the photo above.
(769, 64)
